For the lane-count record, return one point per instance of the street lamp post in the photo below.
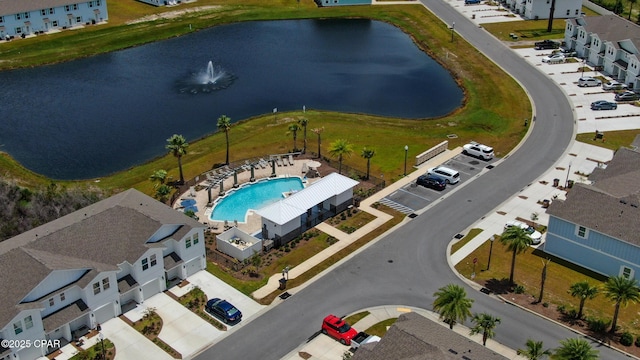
(406, 151)
(104, 356)
(453, 26)
(492, 238)
(566, 181)
(584, 62)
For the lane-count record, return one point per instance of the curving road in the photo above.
(409, 265)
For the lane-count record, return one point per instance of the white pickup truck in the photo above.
(363, 338)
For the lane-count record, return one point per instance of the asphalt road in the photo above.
(409, 265)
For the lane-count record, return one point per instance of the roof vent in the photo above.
(453, 351)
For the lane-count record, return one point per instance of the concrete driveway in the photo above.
(129, 343)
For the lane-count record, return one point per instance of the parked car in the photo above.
(546, 44)
(432, 181)
(449, 175)
(534, 234)
(613, 85)
(338, 329)
(588, 81)
(568, 52)
(603, 105)
(224, 310)
(363, 338)
(471, 2)
(554, 58)
(626, 96)
(478, 150)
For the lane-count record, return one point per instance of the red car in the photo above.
(338, 329)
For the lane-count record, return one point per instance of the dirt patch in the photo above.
(172, 14)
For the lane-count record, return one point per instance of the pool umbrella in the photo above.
(235, 178)
(273, 168)
(253, 177)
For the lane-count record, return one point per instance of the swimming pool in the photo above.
(253, 196)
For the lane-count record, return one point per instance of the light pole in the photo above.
(104, 356)
(453, 26)
(406, 152)
(566, 181)
(584, 62)
(492, 239)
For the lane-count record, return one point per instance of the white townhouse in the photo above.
(608, 42)
(539, 9)
(63, 278)
(27, 17)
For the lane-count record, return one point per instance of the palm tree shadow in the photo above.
(499, 287)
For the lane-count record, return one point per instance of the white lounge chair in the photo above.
(290, 159)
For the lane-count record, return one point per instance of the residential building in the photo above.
(342, 2)
(415, 337)
(540, 9)
(27, 17)
(597, 225)
(608, 42)
(67, 276)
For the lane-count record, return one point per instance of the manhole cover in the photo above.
(390, 261)
(474, 162)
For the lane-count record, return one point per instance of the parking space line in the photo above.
(418, 196)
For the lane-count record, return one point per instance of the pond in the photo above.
(96, 116)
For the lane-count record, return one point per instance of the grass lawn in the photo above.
(462, 242)
(526, 30)
(355, 317)
(560, 276)
(613, 140)
(349, 223)
(95, 351)
(380, 329)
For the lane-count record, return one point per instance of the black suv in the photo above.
(547, 44)
(432, 181)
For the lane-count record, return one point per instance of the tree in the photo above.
(584, 291)
(622, 291)
(575, 349)
(160, 176)
(552, 10)
(162, 192)
(618, 8)
(368, 154)
(484, 323)
(224, 124)
(517, 240)
(304, 122)
(631, 3)
(293, 129)
(340, 148)
(452, 304)
(177, 145)
(318, 131)
(534, 350)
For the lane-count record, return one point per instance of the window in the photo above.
(17, 327)
(18, 16)
(67, 8)
(568, 12)
(96, 288)
(626, 272)
(43, 12)
(51, 302)
(62, 297)
(78, 19)
(28, 322)
(1, 19)
(188, 243)
(105, 284)
(195, 238)
(577, 12)
(18, 30)
(145, 264)
(581, 232)
(153, 260)
(54, 23)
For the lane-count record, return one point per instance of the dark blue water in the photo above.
(92, 117)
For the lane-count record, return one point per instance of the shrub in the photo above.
(597, 325)
(545, 304)
(293, 244)
(626, 339)
(638, 341)
(287, 249)
(572, 313)
(562, 308)
(519, 289)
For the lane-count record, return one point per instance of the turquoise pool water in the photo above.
(254, 196)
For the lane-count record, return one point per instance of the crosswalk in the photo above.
(394, 205)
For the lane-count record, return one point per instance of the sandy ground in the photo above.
(172, 14)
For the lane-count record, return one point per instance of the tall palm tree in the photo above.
(340, 148)
(368, 153)
(552, 10)
(534, 350)
(224, 124)
(318, 131)
(575, 349)
(177, 145)
(517, 240)
(622, 291)
(293, 129)
(452, 304)
(631, 3)
(484, 323)
(304, 122)
(584, 291)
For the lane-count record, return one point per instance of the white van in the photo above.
(449, 175)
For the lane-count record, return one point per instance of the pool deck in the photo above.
(253, 222)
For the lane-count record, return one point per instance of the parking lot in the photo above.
(412, 197)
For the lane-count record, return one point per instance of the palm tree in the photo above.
(622, 291)
(631, 3)
(584, 291)
(160, 176)
(552, 10)
(452, 304)
(293, 129)
(177, 145)
(318, 131)
(368, 154)
(575, 349)
(162, 192)
(484, 323)
(224, 124)
(534, 350)
(304, 122)
(340, 148)
(517, 240)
